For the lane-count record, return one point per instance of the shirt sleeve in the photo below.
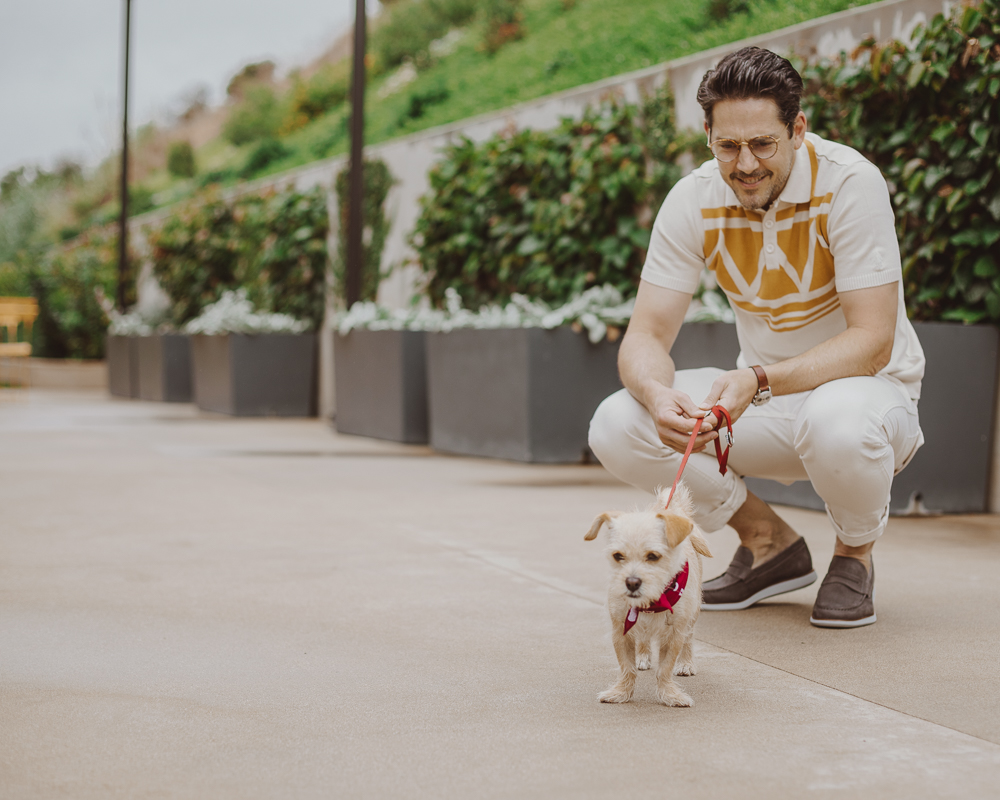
(675, 258)
(862, 231)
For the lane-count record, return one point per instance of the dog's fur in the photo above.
(652, 546)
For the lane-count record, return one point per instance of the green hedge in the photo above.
(273, 244)
(929, 117)
(67, 281)
(549, 213)
(375, 227)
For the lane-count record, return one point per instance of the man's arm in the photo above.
(647, 370)
(863, 349)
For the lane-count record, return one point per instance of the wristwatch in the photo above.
(763, 388)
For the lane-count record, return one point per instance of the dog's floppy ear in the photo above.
(700, 545)
(675, 527)
(599, 520)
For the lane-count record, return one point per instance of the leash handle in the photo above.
(723, 456)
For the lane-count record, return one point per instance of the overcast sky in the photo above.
(60, 63)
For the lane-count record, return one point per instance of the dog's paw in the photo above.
(673, 696)
(643, 661)
(687, 668)
(616, 694)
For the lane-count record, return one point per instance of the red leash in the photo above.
(723, 456)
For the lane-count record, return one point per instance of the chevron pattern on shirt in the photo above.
(791, 286)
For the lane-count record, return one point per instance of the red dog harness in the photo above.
(666, 602)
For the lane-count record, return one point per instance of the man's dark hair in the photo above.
(749, 73)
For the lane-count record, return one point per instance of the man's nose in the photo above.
(746, 163)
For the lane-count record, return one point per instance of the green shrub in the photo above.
(67, 281)
(501, 23)
(273, 244)
(257, 116)
(547, 213)
(411, 25)
(314, 97)
(180, 160)
(930, 119)
(421, 100)
(262, 156)
(377, 182)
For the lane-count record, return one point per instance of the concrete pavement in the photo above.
(195, 606)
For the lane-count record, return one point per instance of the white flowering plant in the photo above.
(601, 310)
(234, 313)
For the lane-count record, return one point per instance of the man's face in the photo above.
(757, 182)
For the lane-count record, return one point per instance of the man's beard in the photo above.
(757, 200)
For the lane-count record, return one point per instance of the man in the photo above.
(799, 234)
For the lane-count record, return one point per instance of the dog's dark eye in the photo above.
(652, 556)
(617, 556)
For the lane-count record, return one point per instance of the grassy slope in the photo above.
(562, 49)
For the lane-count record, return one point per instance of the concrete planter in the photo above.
(380, 383)
(122, 353)
(524, 394)
(260, 375)
(164, 367)
(958, 404)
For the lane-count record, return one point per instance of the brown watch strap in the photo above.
(762, 383)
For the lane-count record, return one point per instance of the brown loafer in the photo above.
(846, 598)
(741, 586)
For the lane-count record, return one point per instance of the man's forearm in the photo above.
(856, 351)
(644, 365)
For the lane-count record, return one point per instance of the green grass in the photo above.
(594, 40)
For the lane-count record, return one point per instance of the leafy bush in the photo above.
(929, 117)
(68, 284)
(420, 100)
(377, 182)
(180, 160)
(271, 244)
(314, 97)
(410, 27)
(548, 214)
(501, 22)
(262, 156)
(257, 116)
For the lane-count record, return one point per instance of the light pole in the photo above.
(356, 194)
(123, 219)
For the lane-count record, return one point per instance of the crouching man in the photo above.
(799, 234)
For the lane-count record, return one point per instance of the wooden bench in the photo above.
(17, 315)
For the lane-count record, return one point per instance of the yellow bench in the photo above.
(17, 315)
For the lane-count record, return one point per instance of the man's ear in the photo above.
(599, 520)
(675, 528)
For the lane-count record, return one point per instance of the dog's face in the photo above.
(644, 552)
(645, 548)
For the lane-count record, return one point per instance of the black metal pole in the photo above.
(123, 219)
(355, 213)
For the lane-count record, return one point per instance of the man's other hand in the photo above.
(674, 414)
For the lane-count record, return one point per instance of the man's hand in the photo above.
(674, 415)
(733, 391)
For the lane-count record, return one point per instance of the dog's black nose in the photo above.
(633, 584)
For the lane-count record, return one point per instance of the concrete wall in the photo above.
(411, 157)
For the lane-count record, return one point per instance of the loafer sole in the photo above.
(768, 591)
(842, 623)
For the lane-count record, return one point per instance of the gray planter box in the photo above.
(950, 473)
(524, 394)
(122, 353)
(164, 362)
(380, 382)
(260, 375)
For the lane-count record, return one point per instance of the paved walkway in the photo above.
(193, 606)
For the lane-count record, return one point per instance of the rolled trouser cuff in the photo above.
(857, 535)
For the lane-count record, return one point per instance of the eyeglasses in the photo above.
(729, 149)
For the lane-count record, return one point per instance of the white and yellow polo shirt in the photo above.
(830, 231)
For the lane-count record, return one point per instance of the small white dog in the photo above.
(655, 558)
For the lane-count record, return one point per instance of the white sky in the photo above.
(60, 63)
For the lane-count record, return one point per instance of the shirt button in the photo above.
(769, 223)
(770, 248)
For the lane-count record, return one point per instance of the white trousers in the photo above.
(849, 437)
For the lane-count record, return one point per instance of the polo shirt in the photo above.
(831, 230)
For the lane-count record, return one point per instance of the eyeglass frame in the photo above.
(774, 139)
